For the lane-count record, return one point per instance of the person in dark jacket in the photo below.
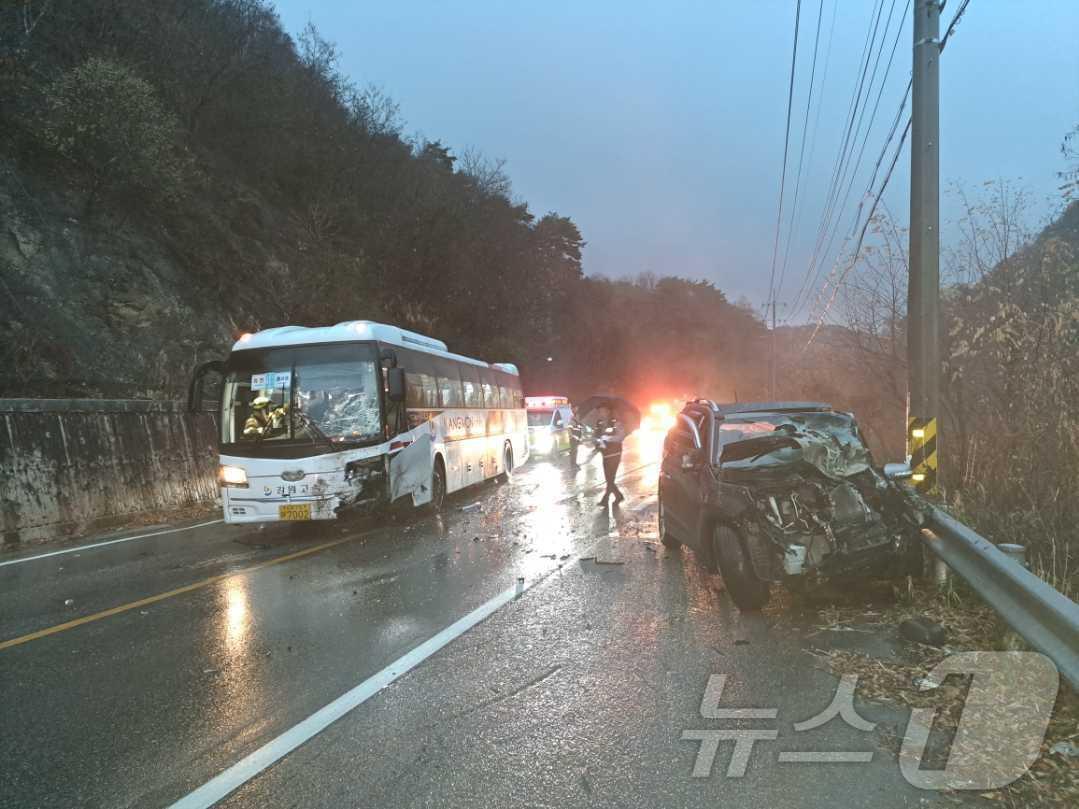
(609, 435)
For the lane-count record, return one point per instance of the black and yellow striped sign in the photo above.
(922, 440)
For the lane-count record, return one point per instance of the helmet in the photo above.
(260, 402)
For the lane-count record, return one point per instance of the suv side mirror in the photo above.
(395, 384)
(897, 471)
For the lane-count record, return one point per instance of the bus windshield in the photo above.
(311, 394)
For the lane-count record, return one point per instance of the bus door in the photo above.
(410, 469)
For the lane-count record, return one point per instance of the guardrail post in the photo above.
(940, 573)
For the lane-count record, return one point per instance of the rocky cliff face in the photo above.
(103, 305)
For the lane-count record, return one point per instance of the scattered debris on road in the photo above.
(922, 630)
(1067, 749)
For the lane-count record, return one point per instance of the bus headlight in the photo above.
(235, 476)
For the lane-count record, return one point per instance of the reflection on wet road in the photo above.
(600, 662)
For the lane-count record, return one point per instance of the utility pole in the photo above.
(923, 288)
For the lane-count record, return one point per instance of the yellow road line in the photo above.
(187, 588)
(142, 602)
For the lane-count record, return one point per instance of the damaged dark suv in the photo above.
(782, 492)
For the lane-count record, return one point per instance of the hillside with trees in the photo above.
(173, 173)
(176, 172)
(1010, 378)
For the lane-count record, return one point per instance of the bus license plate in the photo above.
(295, 511)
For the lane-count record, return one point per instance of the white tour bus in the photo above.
(316, 420)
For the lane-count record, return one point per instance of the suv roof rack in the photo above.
(706, 402)
(773, 407)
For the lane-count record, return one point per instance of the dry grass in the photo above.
(1052, 781)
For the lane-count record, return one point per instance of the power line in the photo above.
(884, 184)
(852, 111)
(861, 236)
(855, 112)
(876, 104)
(786, 147)
(955, 21)
(865, 140)
(837, 212)
(802, 151)
(869, 191)
(820, 107)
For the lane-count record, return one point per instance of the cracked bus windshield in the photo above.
(316, 393)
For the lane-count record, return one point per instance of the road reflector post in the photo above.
(922, 442)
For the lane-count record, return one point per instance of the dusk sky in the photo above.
(658, 126)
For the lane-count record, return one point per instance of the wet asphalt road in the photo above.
(576, 693)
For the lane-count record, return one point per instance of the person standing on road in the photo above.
(609, 437)
(576, 431)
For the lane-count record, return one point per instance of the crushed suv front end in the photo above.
(799, 495)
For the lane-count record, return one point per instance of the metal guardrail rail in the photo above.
(1044, 617)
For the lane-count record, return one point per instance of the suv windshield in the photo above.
(837, 444)
(310, 394)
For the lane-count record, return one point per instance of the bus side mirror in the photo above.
(194, 391)
(395, 384)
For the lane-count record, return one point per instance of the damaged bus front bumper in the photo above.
(316, 488)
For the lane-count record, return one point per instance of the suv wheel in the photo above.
(747, 591)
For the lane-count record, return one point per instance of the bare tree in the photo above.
(489, 175)
(375, 112)
(874, 304)
(1070, 149)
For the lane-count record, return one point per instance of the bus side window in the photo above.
(421, 391)
(505, 399)
(413, 390)
(449, 392)
(430, 391)
(470, 381)
(449, 383)
(489, 389)
(416, 367)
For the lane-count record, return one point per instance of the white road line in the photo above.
(245, 769)
(81, 548)
(273, 751)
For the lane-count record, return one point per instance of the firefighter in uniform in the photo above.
(263, 421)
(576, 434)
(609, 434)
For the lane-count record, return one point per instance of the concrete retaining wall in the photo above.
(69, 464)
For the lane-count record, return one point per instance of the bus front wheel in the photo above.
(438, 485)
(507, 463)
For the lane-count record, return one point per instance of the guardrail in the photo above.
(1044, 617)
